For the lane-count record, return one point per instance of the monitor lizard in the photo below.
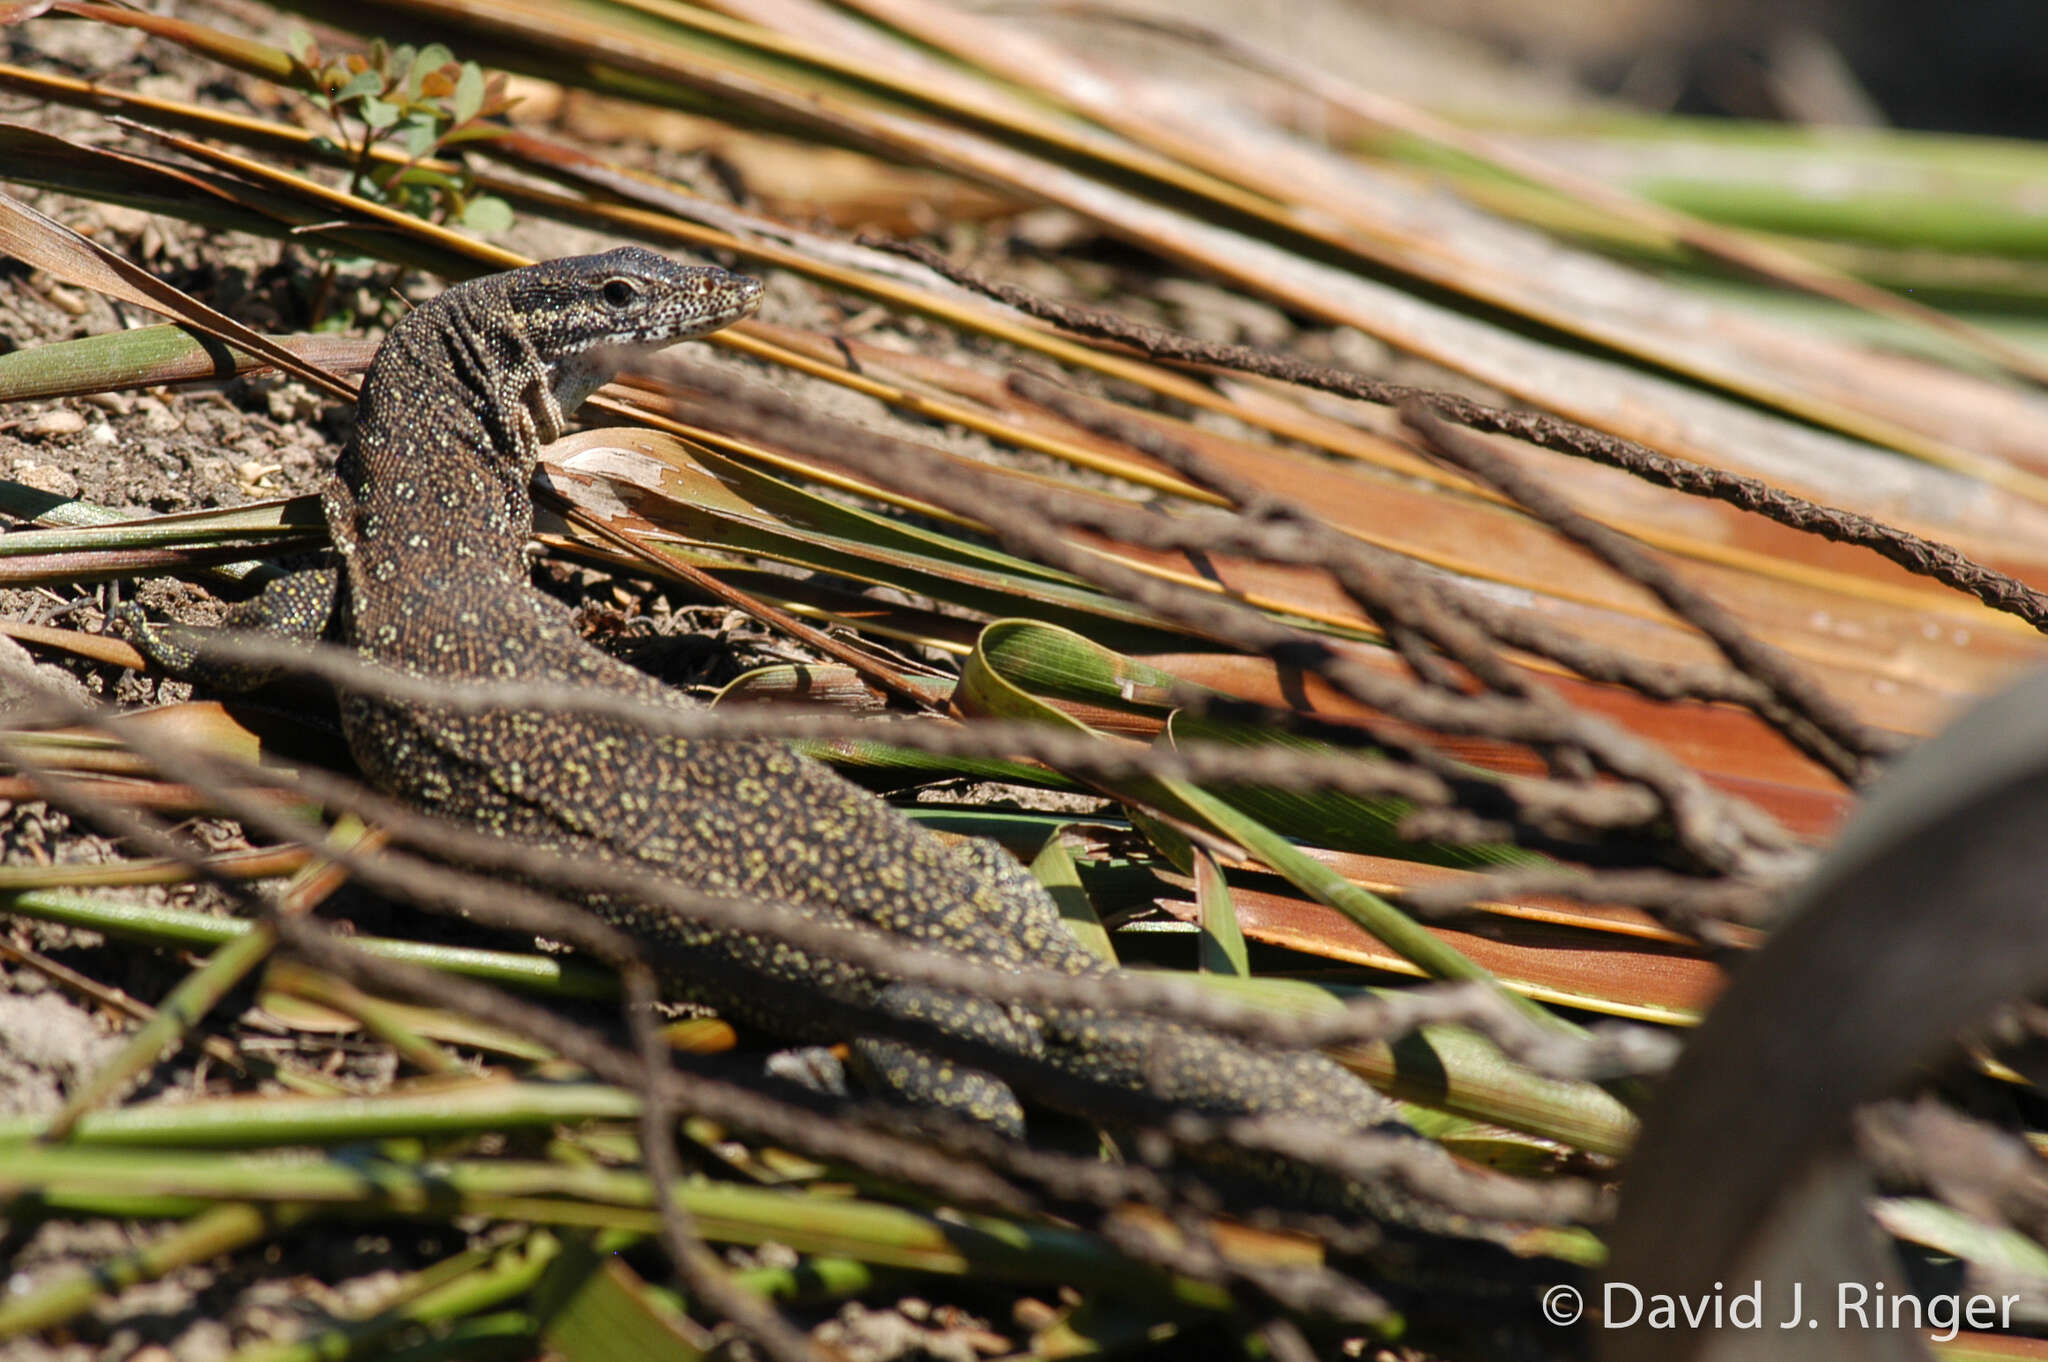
(430, 510)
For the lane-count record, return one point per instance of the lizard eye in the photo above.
(619, 292)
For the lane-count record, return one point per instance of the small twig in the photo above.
(512, 906)
(1974, 1166)
(1921, 556)
(1806, 714)
(1719, 830)
(1414, 1162)
(897, 1160)
(1312, 1291)
(1545, 803)
(1679, 901)
(1609, 1053)
(1382, 582)
(1388, 589)
(694, 1262)
(1079, 754)
(884, 679)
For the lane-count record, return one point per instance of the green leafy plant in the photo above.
(426, 102)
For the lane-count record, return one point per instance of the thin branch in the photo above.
(1719, 830)
(700, 1270)
(1921, 556)
(1825, 729)
(1607, 1054)
(885, 680)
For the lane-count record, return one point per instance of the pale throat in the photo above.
(572, 378)
(544, 402)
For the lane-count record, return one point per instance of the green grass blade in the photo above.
(1018, 655)
(171, 926)
(220, 1230)
(1054, 868)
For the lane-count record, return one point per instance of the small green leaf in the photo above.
(432, 57)
(417, 134)
(486, 214)
(299, 43)
(361, 84)
(469, 92)
(376, 112)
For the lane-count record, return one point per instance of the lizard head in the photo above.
(588, 316)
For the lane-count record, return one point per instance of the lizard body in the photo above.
(429, 512)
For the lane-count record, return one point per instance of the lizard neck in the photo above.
(451, 420)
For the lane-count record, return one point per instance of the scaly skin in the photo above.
(429, 513)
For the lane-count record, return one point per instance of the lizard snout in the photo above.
(738, 294)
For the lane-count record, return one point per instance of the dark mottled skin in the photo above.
(429, 513)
